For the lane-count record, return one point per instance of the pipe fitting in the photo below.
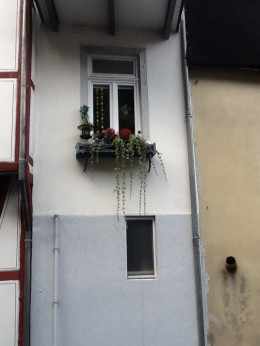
(231, 264)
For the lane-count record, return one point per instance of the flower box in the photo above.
(107, 150)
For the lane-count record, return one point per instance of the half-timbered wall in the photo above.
(9, 66)
(11, 221)
(10, 227)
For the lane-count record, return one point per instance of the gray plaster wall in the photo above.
(98, 305)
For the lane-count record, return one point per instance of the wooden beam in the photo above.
(6, 167)
(53, 15)
(12, 275)
(111, 17)
(169, 19)
(36, 3)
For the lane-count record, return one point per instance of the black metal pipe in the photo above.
(21, 171)
(27, 268)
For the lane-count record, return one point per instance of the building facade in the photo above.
(226, 126)
(112, 263)
(224, 79)
(86, 288)
(16, 166)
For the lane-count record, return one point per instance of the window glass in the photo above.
(101, 102)
(114, 90)
(140, 254)
(126, 107)
(112, 66)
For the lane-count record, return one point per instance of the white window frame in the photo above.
(113, 81)
(138, 79)
(113, 88)
(144, 276)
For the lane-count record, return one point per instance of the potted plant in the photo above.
(86, 127)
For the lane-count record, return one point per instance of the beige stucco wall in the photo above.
(227, 137)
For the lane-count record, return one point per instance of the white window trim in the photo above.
(123, 53)
(145, 276)
(114, 116)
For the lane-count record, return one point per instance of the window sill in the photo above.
(141, 277)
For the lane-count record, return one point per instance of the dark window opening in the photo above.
(5, 181)
(140, 254)
(126, 107)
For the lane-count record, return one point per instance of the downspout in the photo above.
(21, 172)
(200, 302)
(55, 279)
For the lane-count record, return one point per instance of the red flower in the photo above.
(125, 133)
(109, 134)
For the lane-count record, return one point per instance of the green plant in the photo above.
(84, 115)
(127, 146)
(129, 149)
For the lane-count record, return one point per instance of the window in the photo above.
(113, 93)
(113, 85)
(140, 248)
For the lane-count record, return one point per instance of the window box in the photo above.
(107, 150)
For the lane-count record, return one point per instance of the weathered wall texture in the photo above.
(227, 125)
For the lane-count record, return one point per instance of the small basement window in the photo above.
(140, 247)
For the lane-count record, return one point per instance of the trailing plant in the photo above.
(128, 148)
(94, 152)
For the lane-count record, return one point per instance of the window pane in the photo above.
(140, 247)
(101, 107)
(126, 107)
(113, 66)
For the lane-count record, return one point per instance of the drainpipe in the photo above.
(55, 279)
(198, 263)
(21, 172)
